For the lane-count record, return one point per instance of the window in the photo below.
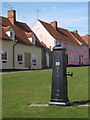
(33, 40)
(85, 58)
(70, 46)
(76, 58)
(71, 57)
(11, 35)
(20, 58)
(4, 56)
(85, 48)
(76, 48)
(34, 59)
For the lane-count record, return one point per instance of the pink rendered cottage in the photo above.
(50, 34)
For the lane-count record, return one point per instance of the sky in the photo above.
(69, 15)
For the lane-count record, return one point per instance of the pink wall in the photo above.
(81, 53)
(50, 41)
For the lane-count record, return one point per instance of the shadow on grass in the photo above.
(80, 102)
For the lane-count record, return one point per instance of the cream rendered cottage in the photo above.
(21, 49)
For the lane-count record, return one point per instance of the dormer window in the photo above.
(32, 39)
(11, 33)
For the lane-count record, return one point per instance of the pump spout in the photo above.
(69, 74)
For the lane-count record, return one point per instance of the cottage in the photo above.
(21, 48)
(86, 38)
(50, 34)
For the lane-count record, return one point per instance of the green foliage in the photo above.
(23, 88)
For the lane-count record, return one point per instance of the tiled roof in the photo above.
(78, 37)
(23, 26)
(52, 31)
(62, 34)
(86, 38)
(5, 22)
(3, 35)
(29, 34)
(68, 37)
(6, 28)
(22, 31)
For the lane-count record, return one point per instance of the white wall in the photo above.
(43, 35)
(21, 48)
(8, 47)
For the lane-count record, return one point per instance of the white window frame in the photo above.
(70, 46)
(4, 60)
(22, 57)
(31, 39)
(71, 57)
(76, 58)
(34, 57)
(85, 58)
(12, 35)
(85, 48)
(76, 48)
(9, 33)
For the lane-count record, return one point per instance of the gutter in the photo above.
(14, 55)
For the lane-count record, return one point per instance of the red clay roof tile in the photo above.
(78, 37)
(22, 31)
(86, 38)
(68, 37)
(3, 35)
(60, 33)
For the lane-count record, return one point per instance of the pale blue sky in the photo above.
(69, 15)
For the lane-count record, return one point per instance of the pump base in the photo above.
(61, 103)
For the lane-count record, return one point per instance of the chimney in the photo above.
(12, 16)
(75, 31)
(54, 24)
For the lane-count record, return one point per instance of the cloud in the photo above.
(54, 7)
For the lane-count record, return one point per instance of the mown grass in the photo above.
(23, 88)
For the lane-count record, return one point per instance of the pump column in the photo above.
(59, 91)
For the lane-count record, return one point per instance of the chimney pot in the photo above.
(12, 16)
(54, 24)
(75, 31)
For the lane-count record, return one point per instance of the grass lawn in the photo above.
(23, 88)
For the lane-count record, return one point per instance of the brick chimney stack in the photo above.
(12, 16)
(75, 31)
(54, 24)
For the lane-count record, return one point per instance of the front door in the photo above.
(27, 60)
(47, 59)
(80, 60)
